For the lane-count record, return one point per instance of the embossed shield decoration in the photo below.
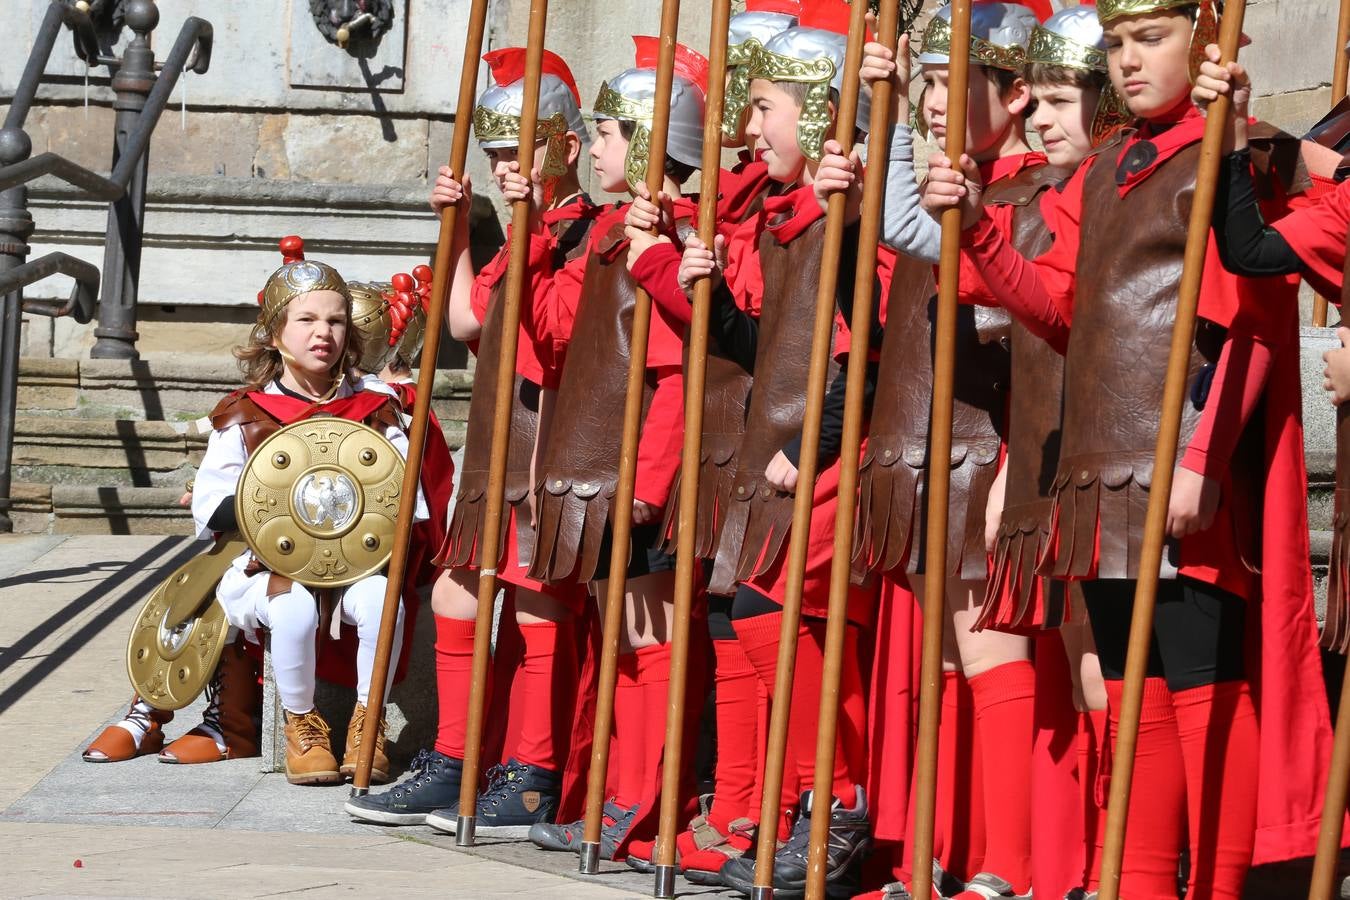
(318, 501)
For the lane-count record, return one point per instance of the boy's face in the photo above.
(1063, 119)
(1149, 60)
(315, 332)
(990, 111)
(772, 129)
(608, 154)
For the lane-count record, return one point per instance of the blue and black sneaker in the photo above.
(432, 783)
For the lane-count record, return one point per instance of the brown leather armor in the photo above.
(1336, 630)
(465, 532)
(1124, 306)
(1034, 413)
(760, 516)
(892, 511)
(578, 469)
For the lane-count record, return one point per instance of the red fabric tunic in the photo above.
(1317, 233)
(1260, 316)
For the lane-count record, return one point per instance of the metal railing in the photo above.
(141, 94)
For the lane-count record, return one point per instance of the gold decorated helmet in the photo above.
(1073, 38)
(496, 117)
(747, 33)
(371, 317)
(1204, 32)
(296, 276)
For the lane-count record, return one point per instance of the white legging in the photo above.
(293, 617)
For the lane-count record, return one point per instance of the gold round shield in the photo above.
(179, 634)
(318, 501)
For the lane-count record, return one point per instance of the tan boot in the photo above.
(234, 699)
(379, 769)
(118, 742)
(309, 755)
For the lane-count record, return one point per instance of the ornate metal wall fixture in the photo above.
(356, 23)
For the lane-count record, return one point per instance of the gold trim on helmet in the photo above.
(1048, 48)
(814, 123)
(294, 279)
(490, 125)
(610, 104)
(1107, 10)
(937, 38)
(740, 60)
(1111, 115)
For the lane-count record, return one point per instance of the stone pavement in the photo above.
(68, 828)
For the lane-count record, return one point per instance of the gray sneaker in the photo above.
(614, 826)
(991, 887)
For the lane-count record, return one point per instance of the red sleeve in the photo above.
(1017, 283)
(657, 272)
(1239, 381)
(547, 319)
(974, 289)
(659, 447)
(1317, 233)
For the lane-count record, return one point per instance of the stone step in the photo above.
(91, 509)
(169, 387)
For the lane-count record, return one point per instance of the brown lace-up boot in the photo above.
(119, 741)
(233, 701)
(309, 755)
(379, 769)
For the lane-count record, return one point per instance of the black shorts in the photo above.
(644, 554)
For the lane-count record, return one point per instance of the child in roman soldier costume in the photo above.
(296, 364)
(987, 673)
(535, 655)
(725, 828)
(586, 315)
(766, 275)
(1243, 769)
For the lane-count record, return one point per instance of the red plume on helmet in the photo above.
(424, 275)
(292, 248)
(827, 15)
(402, 298)
(784, 7)
(690, 65)
(508, 67)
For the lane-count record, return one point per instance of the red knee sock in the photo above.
(1157, 819)
(849, 747)
(1219, 743)
(653, 671)
(1004, 700)
(1094, 772)
(1057, 828)
(958, 813)
(550, 647)
(759, 636)
(737, 694)
(454, 673)
(628, 748)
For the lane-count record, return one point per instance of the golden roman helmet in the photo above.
(372, 319)
(296, 277)
(1204, 32)
(747, 33)
(318, 501)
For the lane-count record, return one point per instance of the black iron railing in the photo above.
(141, 94)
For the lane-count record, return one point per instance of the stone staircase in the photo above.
(106, 446)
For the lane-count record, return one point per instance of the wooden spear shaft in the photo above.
(426, 378)
(841, 565)
(1323, 884)
(1164, 459)
(686, 557)
(817, 373)
(938, 476)
(622, 522)
(490, 536)
(1338, 87)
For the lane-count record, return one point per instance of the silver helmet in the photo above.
(999, 33)
(747, 33)
(496, 117)
(629, 97)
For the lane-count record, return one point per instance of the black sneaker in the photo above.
(432, 784)
(614, 826)
(850, 836)
(517, 797)
(1081, 894)
(991, 887)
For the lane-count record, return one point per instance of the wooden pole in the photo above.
(939, 474)
(466, 819)
(1164, 459)
(1338, 88)
(817, 373)
(445, 264)
(623, 493)
(860, 327)
(1323, 884)
(686, 557)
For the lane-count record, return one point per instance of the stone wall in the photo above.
(289, 134)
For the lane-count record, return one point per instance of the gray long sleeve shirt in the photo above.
(906, 225)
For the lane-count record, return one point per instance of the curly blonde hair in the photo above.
(260, 362)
